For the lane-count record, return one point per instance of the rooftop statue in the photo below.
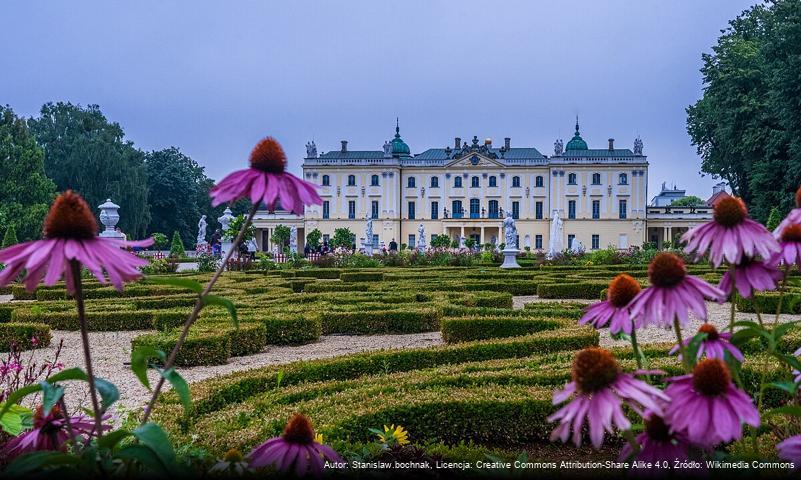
(638, 146)
(558, 147)
(311, 150)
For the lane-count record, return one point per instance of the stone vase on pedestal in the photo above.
(510, 258)
(109, 218)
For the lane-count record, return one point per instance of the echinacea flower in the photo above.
(601, 389)
(730, 235)
(393, 435)
(70, 233)
(49, 432)
(294, 449)
(615, 309)
(657, 443)
(794, 217)
(790, 449)
(789, 245)
(715, 345)
(232, 464)
(266, 181)
(750, 276)
(673, 294)
(707, 407)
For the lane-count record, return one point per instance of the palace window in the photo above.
(538, 210)
(411, 211)
(596, 241)
(596, 178)
(456, 209)
(493, 209)
(515, 181)
(374, 180)
(457, 182)
(352, 209)
(538, 242)
(475, 208)
(410, 182)
(538, 182)
(374, 209)
(571, 209)
(515, 210)
(623, 179)
(434, 182)
(434, 210)
(326, 237)
(351, 180)
(326, 210)
(326, 180)
(596, 209)
(622, 209)
(474, 182)
(571, 179)
(570, 239)
(493, 181)
(411, 241)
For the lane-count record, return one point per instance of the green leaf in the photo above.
(146, 457)
(789, 387)
(792, 410)
(692, 348)
(791, 360)
(51, 394)
(74, 373)
(176, 282)
(153, 437)
(224, 302)
(742, 336)
(180, 386)
(279, 378)
(140, 357)
(109, 393)
(15, 420)
(781, 329)
(35, 462)
(112, 439)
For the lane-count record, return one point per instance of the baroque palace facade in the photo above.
(466, 190)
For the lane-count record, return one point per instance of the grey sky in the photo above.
(214, 77)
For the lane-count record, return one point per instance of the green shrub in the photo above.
(21, 335)
(361, 276)
(293, 330)
(5, 313)
(590, 290)
(102, 321)
(10, 238)
(387, 321)
(768, 303)
(465, 329)
(200, 348)
(177, 248)
(248, 339)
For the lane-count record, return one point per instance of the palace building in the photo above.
(600, 194)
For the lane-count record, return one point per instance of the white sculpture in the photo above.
(510, 230)
(201, 231)
(461, 242)
(367, 241)
(555, 240)
(387, 149)
(109, 218)
(576, 246)
(311, 150)
(293, 239)
(226, 242)
(638, 146)
(421, 237)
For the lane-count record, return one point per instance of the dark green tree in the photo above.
(25, 190)
(10, 238)
(774, 219)
(281, 236)
(177, 248)
(343, 237)
(688, 201)
(440, 241)
(85, 152)
(313, 238)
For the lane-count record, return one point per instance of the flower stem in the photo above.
(196, 311)
(733, 296)
(682, 348)
(87, 354)
(634, 345)
(635, 447)
(781, 296)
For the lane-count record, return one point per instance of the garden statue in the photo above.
(367, 242)
(293, 239)
(201, 231)
(576, 246)
(555, 240)
(421, 237)
(461, 242)
(225, 224)
(510, 249)
(109, 218)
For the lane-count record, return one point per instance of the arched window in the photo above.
(596, 178)
(493, 182)
(434, 182)
(457, 182)
(571, 178)
(474, 182)
(410, 182)
(623, 179)
(326, 180)
(374, 180)
(351, 180)
(515, 181)
(538, 181)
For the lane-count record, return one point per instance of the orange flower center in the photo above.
(657, 429)
(792, 233)
(594, 369)
(299, 430)
(268, 156)
(70, 217)
(622, 289)
(666, 270)
(711, 377)
(730, 211)
(710, 330)
(798, 197)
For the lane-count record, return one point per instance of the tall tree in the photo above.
(25, 190)
(747, 125)
(85, 152)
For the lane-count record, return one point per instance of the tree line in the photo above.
(69, 146)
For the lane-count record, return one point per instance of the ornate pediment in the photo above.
(474, 160)
(467, 151)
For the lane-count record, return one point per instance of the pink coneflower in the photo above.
(266, 181)
(707, 407)
(601, 389)
(750, 276)
(789, 244)
(790, 449)
(657, 443)
(794, 217)
(49, 433)
(295, 449)
(615, 309)
(715, 345)
(730, 236)
(70, 234)
(672, 294)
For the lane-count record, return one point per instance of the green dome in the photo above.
(576, 143)
(399, 147)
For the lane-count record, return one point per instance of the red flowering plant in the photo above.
(707, 408)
